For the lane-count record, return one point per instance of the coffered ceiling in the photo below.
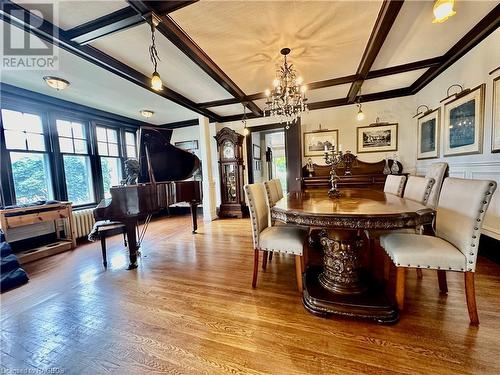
(216, 55)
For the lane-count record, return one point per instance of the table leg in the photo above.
(340, 286)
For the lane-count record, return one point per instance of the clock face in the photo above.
(228, 150)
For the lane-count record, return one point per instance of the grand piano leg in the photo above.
(194, 211)
(130, 227)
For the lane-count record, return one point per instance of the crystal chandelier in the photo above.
(288, 99)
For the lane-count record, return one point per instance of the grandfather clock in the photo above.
(230, 148)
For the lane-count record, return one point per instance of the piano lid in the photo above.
(168, 162)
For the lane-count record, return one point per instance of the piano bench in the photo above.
(107, 230)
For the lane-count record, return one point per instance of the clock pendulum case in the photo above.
(230, 152)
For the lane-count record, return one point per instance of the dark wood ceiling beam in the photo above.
(180, 124)
(111, 23)
(181, 40)
(389, 94)
(385, 20)
(422, 64)
(22, 18)
(479, 32)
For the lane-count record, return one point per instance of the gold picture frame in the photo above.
(377, 138)
(464, 123)
(315, 141)
(428, 134)
(495, 117)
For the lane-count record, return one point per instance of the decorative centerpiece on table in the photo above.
(334, 159)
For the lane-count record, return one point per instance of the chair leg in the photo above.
(443, 285)
(264, 260)
(419, 274)
(271, 256)
(255, 267)
(298, 271)
(470, 295)
(400, 287)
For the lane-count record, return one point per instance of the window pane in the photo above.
(112, 135)
(15, 139)
(80, 146)
(111, 174)
(101, 134)
(131, 152)
(36, 142)
(113, 149)
(66, 145)
(78, 130)
(12, 119)
(102, 148)
(63, 128)
(78, 179)
(32, 123)
(130, 138)
(30, 172)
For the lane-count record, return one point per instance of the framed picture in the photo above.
(463, 123)
(187, 145)
(428, 135)
(256, 152)
(378, 138)
(315, 142)
(495, 132)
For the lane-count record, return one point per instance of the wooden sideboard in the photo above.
(21, 216)
(355, 174)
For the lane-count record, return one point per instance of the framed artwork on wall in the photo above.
(463, 123)
(256, 152)
(428, 135)
(495, 132)
(315, 142)
(377, 138)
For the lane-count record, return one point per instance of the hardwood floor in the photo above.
(190, 308)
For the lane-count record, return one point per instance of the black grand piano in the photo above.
(163, 167)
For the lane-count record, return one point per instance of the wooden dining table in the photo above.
(341, 284)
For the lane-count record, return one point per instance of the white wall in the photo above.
(470, 71)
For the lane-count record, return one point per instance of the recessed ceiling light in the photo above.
(56, 82)
(146, 113)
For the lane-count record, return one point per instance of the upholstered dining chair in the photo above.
(460, 214)
(282, 239)
(279, 188)
(395, 184)
(418, 188)
(272, 192)
(437, 171)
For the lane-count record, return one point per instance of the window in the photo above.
(25, 140)
(77, 168)
(130, 145)
(111, 166)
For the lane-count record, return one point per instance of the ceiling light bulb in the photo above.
(303, 89)
(443, 9)
(245, 131)
(300, 80)
(360, 116)
(156, 83)
(146, 113)
(267, 92)
(56, 82)
(276, 82)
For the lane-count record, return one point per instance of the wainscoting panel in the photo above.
(486, 170)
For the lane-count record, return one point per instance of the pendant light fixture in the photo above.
(360, 116)
(244, 121)
(156, 83)
(443, 9)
